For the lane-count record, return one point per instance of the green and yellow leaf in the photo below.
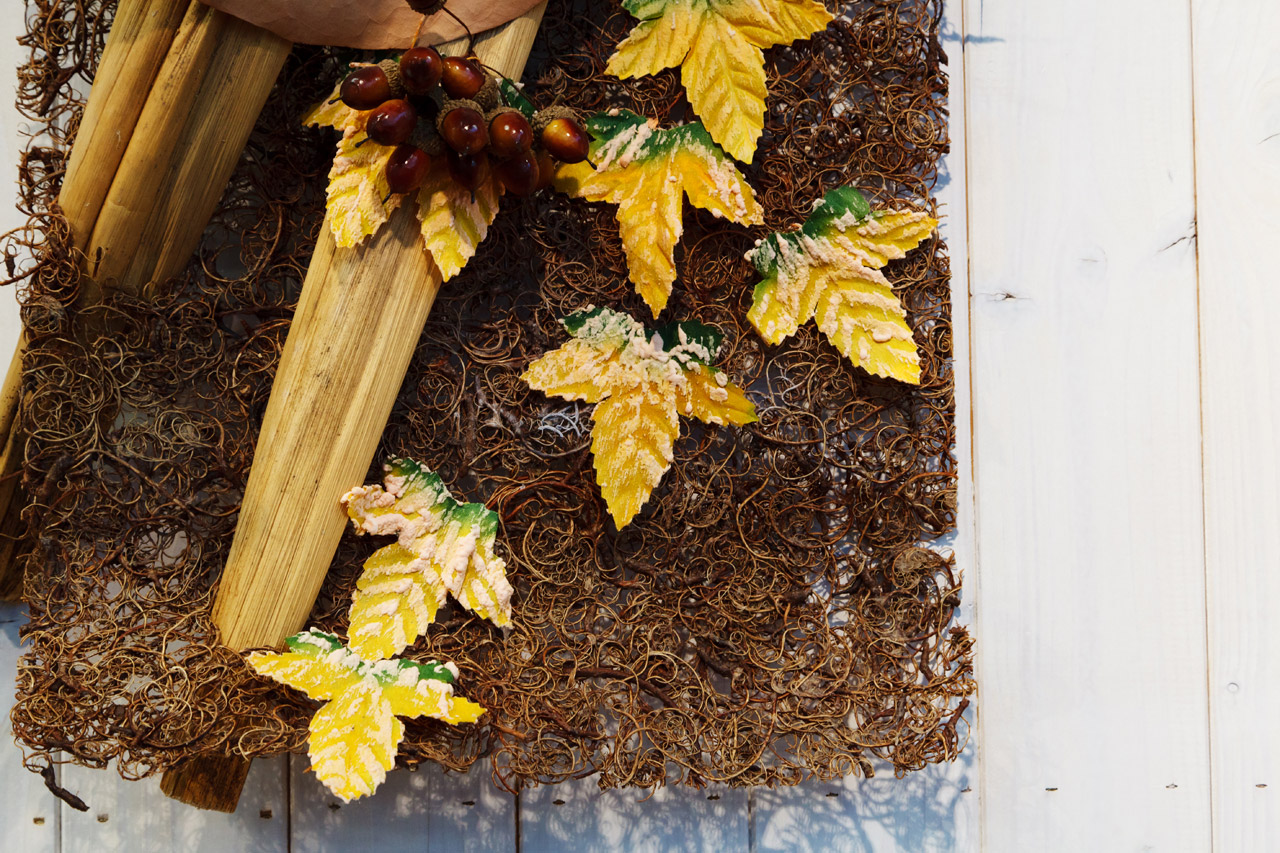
(455, 220)
(647, 172)
(444, 547)
(355, 736)
(719, 46)
(641, 382)
(830, 270)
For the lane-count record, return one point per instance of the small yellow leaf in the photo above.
(445, 547)
(632, 443)
(647, 172)
(718, 45)
(708, 395)
(641, 382)
(355, 736)
(455, 220)
(830, 270)
(353, 742)
(331, 112)
(576, 371)
(357, 189)
(724, 78)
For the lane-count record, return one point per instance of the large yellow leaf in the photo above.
(355, 736)
(444, 547)
(455, 220)
(641, 382)
(647, 172)
(358, 189)
(831, 270)
(718, 44)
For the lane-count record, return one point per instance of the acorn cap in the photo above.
(426, 7)
(490, 94)
(449, 106)
(426, 137)
(494, 112)
(544, 117)
(391, 68)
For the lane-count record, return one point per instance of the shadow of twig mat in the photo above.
(768, 616)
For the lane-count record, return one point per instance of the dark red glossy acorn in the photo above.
(407, 169)
(392, 122)
(464, 130)
(546, 168)
(519, 174)
(468, 170)
(365, 88)
(510, 135)
(461, 78)
(420, 70)
(566, 139)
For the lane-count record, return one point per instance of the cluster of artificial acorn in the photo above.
(431, 106)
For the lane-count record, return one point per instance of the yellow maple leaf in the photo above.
(445, 547)
(455, 220)
(830, 270)
(641, 383)
(718, 45)
(354, 737)
(647, 172)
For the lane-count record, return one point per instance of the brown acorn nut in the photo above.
(468, 170)
(461, 78)
(365, 87)
(510, 133)
(420, 70)
(407, 168)
(566, 139)
(463, 127)
(392, 122)
(519, 174)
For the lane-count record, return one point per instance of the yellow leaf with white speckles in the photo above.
(358, 189)
(355, 736)
(647, 173)
(455, 220)
(445, 547)
(641, 382)
(718, 46)
(830, 270)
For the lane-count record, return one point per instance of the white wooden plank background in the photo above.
(1111, 192)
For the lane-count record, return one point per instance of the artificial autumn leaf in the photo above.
(454, 220)
(647, 172)
(718, 45)
(354, 738)
(444, 547)
(641, 382)
(829, 269)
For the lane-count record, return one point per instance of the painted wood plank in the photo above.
(28, 812)
(577, 817)
(426, 810)
(936, 810)
(1091, 636)
(1237, 119)
(135, 817)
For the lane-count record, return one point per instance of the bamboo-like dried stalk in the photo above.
(176, 95)
(353, 335)
(202, 107)
(10, 472)
(140, 37)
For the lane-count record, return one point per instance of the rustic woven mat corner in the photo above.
(768, 617)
